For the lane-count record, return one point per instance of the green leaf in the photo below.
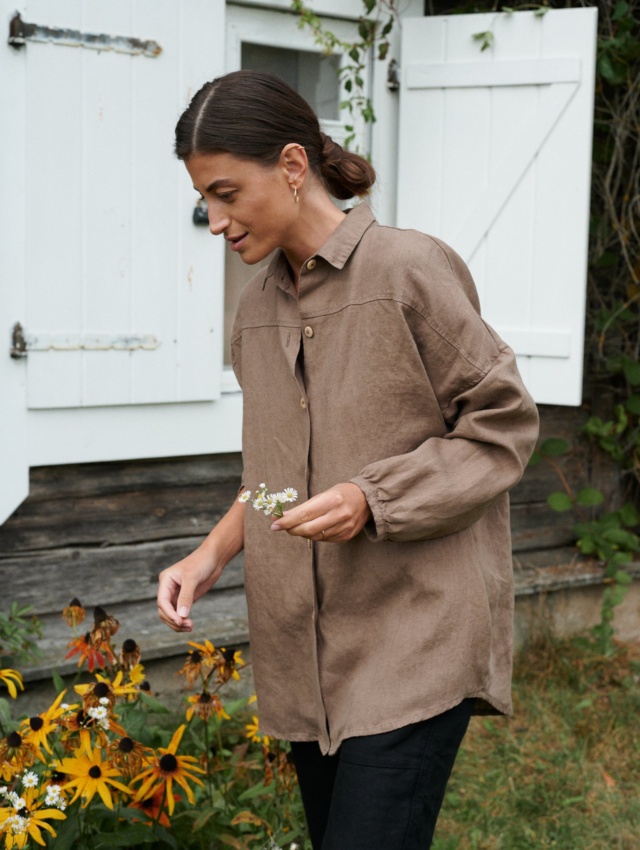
(535, 458)
(559, 502)
(5, 712)
(129, 836)
(554, 447)
(589, 497)
(541, 11)
(58, 682)
(369, 5)
(620, 10)
(629, 515)
(633, 404)
(354, 54)
(631, 371)
(622, 577)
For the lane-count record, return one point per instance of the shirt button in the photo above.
(303, 404)
(311, 265)
(308, 331)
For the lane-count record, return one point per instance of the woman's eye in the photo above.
(225, 196)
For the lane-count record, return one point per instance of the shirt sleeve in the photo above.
(447, 482)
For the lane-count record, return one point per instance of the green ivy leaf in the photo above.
(631, 369)
(535, 458)
(554, 447)
(621, 9)
(559, 502)
(633, 404)
(589, 497)
(629, 515)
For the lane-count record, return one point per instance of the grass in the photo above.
(564, 773)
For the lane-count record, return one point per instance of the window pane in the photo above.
(313, 75)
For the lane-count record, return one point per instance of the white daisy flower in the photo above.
(289, 494)
(30, 779)
(245, 496)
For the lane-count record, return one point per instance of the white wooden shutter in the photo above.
(123, 292)
(495, 157)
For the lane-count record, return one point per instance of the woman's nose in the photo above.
(217, 223)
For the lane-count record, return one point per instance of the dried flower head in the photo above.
(74, 613)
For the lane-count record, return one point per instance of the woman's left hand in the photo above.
(336, 515)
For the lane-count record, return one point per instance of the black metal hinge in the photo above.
(20, 32)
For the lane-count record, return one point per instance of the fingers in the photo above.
(334, 516)
(175, 598)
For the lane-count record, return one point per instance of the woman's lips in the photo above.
(236, 242)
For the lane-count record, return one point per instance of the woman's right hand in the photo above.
(183, 583)
(193, 576)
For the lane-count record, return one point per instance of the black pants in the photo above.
(380, 792)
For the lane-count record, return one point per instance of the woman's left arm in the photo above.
(447, 483)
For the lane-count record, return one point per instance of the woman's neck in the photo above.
(317, 220)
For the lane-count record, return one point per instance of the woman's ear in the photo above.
(294, 163)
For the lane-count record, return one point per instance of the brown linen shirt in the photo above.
(379, 371)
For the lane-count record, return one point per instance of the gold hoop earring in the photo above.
(295, 195)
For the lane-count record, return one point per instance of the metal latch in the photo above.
(20, 32)
(393, 79)
(22, 344)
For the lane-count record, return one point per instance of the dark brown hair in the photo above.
(253, 116)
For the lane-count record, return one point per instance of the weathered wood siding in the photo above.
(103, 532)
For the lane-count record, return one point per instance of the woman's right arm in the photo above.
(189, 579)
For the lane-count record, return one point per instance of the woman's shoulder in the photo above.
(420, 265)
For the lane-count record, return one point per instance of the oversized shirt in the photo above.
(380, 371)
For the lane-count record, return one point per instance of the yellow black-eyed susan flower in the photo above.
(167, 768)
(23, 817)
(13, 680)
(91, 776)
(37, 729)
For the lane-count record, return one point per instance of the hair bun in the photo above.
(345, 173)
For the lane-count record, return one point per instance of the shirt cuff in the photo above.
(375, 528)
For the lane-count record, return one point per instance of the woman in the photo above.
(380, 606)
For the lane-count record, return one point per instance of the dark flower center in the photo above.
(75, 603)
(148, 803)
(125, 745)
(36, 723)
(101, 689)
(168, 763)
(145, 686)
(194, 657)
(228, 655)
(129, 645)
(271, 757)
(14, 740)
(95, 772)
(57, 777)
(99, 614)
(204, 698)
(23, 812)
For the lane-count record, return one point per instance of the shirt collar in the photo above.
(342, 242)
(336, 250)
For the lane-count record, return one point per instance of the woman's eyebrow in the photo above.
(224, 181)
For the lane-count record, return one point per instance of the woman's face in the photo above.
(252, 205)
